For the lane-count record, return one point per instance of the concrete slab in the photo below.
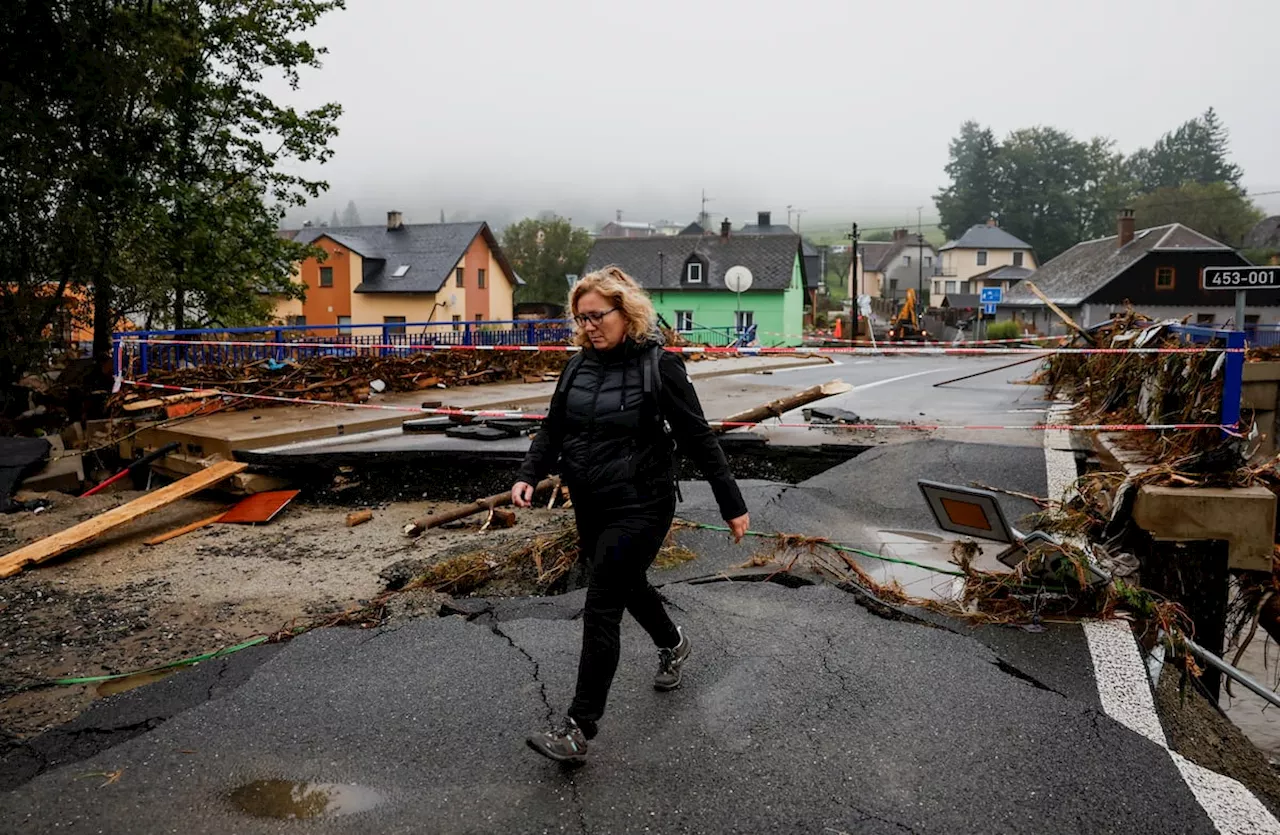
(1244, 517)
(222, 433)
(63, 475)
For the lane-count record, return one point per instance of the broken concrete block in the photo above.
(1244, 517)
(63, 475)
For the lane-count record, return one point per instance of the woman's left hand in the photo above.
(738, 527)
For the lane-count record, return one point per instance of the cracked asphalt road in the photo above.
(801, 711)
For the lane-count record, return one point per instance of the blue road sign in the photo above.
(992, 295)
(989, 309)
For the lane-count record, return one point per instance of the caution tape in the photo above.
(729, 424)
(912, 348)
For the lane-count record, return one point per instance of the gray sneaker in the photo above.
(566, 744)
(669, 663)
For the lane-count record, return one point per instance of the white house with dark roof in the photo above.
(1156, 270)
(885, 269)
(974, 261)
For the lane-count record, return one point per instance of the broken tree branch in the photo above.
(1071, 323)
(417, 526)
(776, 408)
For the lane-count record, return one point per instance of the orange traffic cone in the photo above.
(839, 333)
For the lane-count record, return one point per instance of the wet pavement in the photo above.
(802, 710)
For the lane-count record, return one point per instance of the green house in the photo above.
(685, 276)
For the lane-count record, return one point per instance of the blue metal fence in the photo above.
(1232, 370)
(140, 351)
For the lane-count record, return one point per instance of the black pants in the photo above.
(621, 543)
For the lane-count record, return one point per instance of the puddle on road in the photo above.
(121, 685)
(288, 799)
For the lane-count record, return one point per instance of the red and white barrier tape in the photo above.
(914, 348)
(517, 415)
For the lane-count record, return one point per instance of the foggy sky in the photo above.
(844, 109)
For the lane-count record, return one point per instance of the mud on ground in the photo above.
(119, 606)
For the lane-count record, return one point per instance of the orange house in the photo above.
(402, 273)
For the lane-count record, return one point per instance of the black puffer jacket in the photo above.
(610, 443)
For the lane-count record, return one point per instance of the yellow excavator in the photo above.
(905, 325)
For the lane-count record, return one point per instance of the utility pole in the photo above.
(703, 217)
(854, 315)
(920, 254)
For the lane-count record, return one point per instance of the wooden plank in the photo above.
(1071, 323)
(260, 507)
(90, 529)
(177, 532)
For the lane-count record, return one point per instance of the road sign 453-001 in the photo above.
(1238, 278)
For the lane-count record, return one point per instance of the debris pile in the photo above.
(1142, 388)
(352, 379)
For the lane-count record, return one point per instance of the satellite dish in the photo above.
(738, 279)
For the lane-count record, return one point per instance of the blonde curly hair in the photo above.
(621, 291)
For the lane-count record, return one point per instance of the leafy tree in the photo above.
(973, 169)
(1219, 210)
(351, 217)
(1195, 152)
(1053, 190)
(543, 250)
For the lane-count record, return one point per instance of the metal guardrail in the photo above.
(234, 346)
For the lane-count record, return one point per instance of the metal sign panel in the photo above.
(967, 510)
(1240, 278)
(992, 295)
(988, 310)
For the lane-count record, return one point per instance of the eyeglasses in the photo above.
(593, 317)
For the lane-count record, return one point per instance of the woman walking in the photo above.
(608, 428)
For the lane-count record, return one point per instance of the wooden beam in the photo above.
(177, 532)
(776, 408)
(1071, 323)
(90, 529)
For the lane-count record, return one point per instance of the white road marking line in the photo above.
(1125, 692)
(872, 385)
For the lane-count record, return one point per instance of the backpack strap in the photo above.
(652, 379)
(566, 379)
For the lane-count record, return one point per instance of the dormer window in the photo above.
(693, 271)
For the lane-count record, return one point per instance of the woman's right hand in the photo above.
(522, 494)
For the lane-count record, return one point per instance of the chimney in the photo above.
(725, 226)
(992, 223)
(899, 235)
(1125, 226)
(762, 219)
(394, 221)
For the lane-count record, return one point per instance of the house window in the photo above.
(684, 320)
(1250, 319)
(1204, 318)
(928, 260)
(1017, 259)
(965, 287)
(743, 319)
(400, 271)
(296, 321)
(479, 317)
(1164, 278)
(344, 324)
(893, 287)
(906, 260)
(693, 272)
(457, 322)
(326, 276)
(457, 277)
(393, 325)
(951, 286)
(982, 258)
(480, 279)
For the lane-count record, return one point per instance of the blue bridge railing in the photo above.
(1232, 369)
(140, 351)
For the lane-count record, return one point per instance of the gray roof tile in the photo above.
(430, 250)
(769, 257)
(982, 236)
(1084, 269)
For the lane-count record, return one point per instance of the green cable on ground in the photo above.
(185, 662)
(835, 546)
